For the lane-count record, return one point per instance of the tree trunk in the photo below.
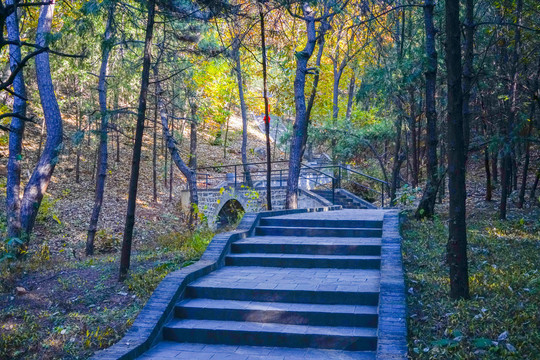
(398, 159)
(103, 141)
(468, 73)
(41, 176)
(193, 138)
(527, 142)
(300, 122)
(457, 227)
(350, 97)
(533, 198)
(154, 151)
(414, 140)
(135, 165)
(243, 109)
(190, 174)
(506, 180)
(494, 166)
(426, 208)
(13, 188)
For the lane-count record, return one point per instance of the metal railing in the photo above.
(322, 179)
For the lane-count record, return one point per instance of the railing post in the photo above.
(206, 181)
(280, 177)
(339, 176)
(382, 195)
(333, 191)
(235, 176)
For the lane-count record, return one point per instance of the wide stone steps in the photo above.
(340, 199)
(368, 295)
(305, 260)
(278, 312)
(308, 245)
(271, 334)
(328, 223)
(170, 350)
(317, 231)
(301, 285)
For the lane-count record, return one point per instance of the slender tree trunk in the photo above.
(266, 117)
(468, 72)
(103, 141)
(457, 227)
(193, 139)
(494, 166)
(243, 109)
(13, 188)
(300, 123)
(350, 97)
(533, 198)
(190, 174)
(79, 145)
(41, 176)
(527, 142)
(154, 152)
(426, 208)
(414, 140)
(489, 187)
(171, 168)
(506, 178)
(135, 165)
(399, 157)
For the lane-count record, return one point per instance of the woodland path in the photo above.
(322, 285)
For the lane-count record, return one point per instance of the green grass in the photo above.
(501, 320)
(74, 308)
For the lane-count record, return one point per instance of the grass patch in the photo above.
(70, 309)
(502, 319)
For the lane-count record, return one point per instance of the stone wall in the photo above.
(252, 200)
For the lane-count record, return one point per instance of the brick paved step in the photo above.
(169, 350)
(277, 312)
(369, 296)
(317, 231)
(270, 334)
(331, 223)
(304, 261)
(308, 245)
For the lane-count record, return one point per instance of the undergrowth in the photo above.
(501, 319)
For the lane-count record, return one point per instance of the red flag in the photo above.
(267, 119)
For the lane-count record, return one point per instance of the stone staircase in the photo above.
(303, 287)
(345, 199)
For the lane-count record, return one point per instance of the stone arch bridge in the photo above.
(319, 186)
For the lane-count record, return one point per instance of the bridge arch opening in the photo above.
(229, 213)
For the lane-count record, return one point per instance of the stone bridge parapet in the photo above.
(212, 201)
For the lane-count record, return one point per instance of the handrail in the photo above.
(335, 179)
(241, 164)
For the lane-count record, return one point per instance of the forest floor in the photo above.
(501, 320)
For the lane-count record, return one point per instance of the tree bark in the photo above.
(457, 227)
(103, 141)
(41, 176)
(426, 208)
(506, 178)
(468, 73)
(193, 138)
(300, 122)
(243, 109)
(190, 174)
(527, 142)
(350, 97)
(135, 165)
(13, 188)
